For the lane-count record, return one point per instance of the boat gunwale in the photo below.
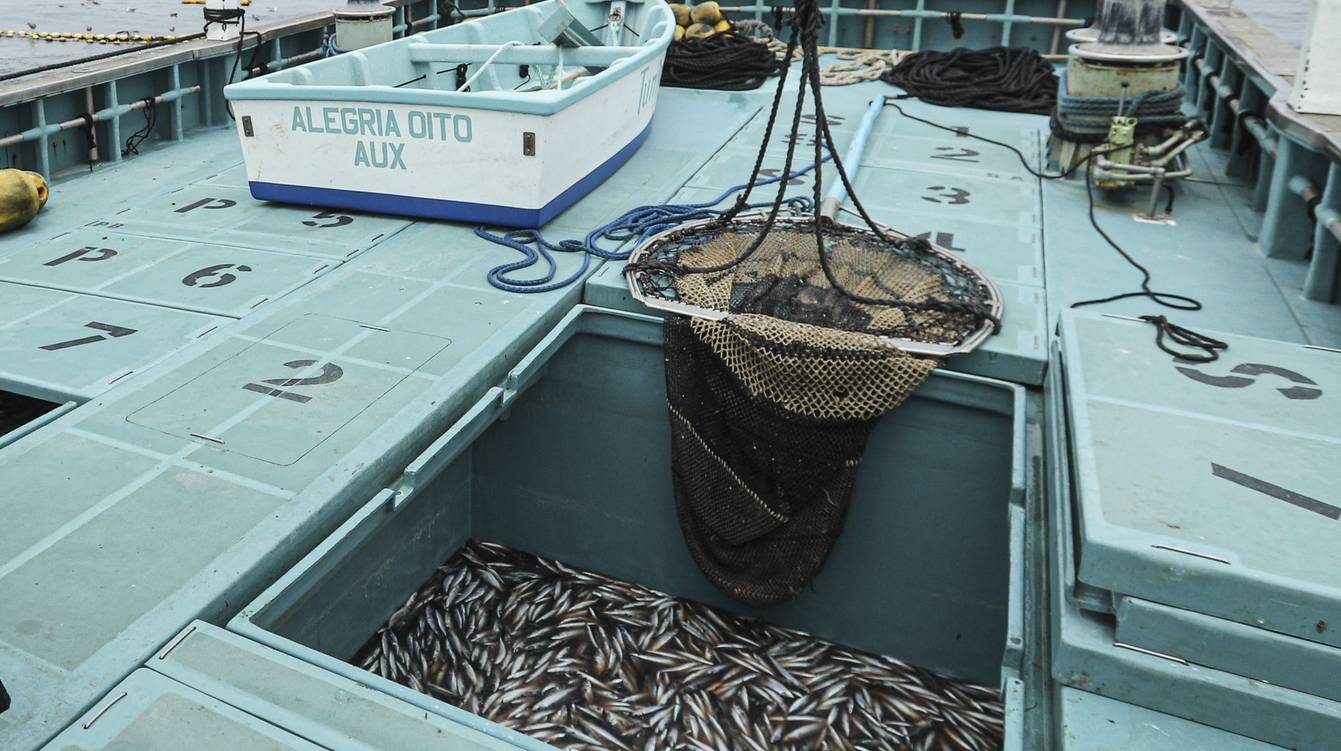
(265, 88)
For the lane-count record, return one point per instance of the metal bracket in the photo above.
(528, 143)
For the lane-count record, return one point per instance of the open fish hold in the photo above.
(605, 634)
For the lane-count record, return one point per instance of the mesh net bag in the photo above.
(787, 338)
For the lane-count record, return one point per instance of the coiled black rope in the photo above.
(726, 62)
(1009, 79)
(1184, 337)
(226, 16)
(139, 136)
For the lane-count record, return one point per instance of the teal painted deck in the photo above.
(194, 472)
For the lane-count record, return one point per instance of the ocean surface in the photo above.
(1287, 18)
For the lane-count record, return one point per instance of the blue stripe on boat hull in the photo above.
(436, 208)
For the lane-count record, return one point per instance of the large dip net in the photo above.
(787, 337)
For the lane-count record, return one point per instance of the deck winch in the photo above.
(1120, 103)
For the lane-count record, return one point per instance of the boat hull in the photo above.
(462, 164)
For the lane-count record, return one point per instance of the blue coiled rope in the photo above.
(637, 224)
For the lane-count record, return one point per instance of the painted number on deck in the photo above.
(214, 276)
(1246, 377)
(330, 373)
(944, 239)
(207, 203)
(86, 253)
(954, 154)
(811, 118)
(1273, 490)
(111, 329)
(339, 220)
(947, 195)
(772, 172)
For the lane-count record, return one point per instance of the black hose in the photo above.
(724, 61)
(1009, 79)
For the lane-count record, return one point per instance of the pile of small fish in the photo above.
(582, 661)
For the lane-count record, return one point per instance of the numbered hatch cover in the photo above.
(284, 395)
(1208, 487)
(56, 345)
(219, 279)
(230, 216)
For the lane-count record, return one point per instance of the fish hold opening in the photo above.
(17, 410)
(580, 660)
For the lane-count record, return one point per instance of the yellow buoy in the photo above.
(708, 13)
(722, 26)
(679, 33)
(22, 195)
(699, 31)
(681, 13)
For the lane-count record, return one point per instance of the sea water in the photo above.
(1287, 18)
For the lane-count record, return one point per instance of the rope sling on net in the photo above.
(773, 387)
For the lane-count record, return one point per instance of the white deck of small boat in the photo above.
(180, 487)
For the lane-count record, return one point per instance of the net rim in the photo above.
(911, 346)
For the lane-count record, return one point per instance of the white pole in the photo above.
(1317, 86)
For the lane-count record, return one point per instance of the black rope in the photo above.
(1167, 299)
(95, 58)
(956, 20)
(1178, 334)
(446, 9)
(241, 15)
(1184, 337)
(1010, 79)
(139, 136)
(225, 16)
(91, 134)
(726, 62)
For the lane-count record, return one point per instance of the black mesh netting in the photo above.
(761, 484)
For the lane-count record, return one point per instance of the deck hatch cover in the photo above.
(1210, 488)
(230, 216)
(285, 394)
(188, 275)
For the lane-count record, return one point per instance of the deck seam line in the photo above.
(1263, 427)
(182, 463)
(94, 294)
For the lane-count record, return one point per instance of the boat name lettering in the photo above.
(651, 79)
(376, 123)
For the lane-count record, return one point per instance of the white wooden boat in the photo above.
(505, 120)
